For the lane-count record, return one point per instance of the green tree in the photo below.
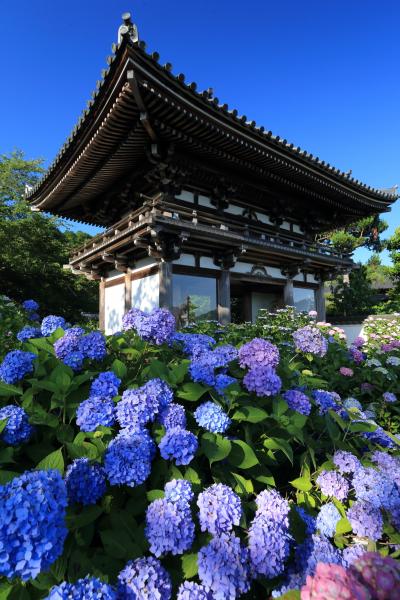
(353, 298)
(365, 232)
(34, 246)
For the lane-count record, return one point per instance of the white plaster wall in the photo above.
(114, 307)
(148, 261)
(242, 267)
(234, 209)
(186, 196)
(204, 201)
(207, 262)
(145, 292)
(188, 260)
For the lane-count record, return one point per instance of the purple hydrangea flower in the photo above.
(89, 588)
(173, 416)
(105, 385)
(169, 527)
(346, 462)
(224, 567)
(32, 523)
(30, 305)
(356, 355)
(219, 509)
(130, 318)
(17, 429)
(159, 389)
(390, 465)
(136, 408)
(16, 365)
(389, 397)
(179, 491)
(68, 343)
(372, 486)
(86, 482)
(263, 381)
(127, 459)
(211, 416)
(366, 520)
(298, 401)
(95, 412)
(258, 353)
(189, 590)
(310, 340)
(156, 327)
(93, 346)
(144, 578)
(327, 519)
(351, 553)
(51, 323)
(179, 445)
(28, 332)
(333, 484)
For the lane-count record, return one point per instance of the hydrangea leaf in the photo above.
(244, 486)
(154, 495)
(242, 455)
(8, 390)
(54, 460)
(215, 446)
(86, 516)
(343, 526)
(189, 565)
(280, 444)
(119, 368)
(252, 414)
(302, 483)
(5, 477)
(192, 392)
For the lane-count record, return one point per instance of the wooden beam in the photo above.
(224, 297)
(102, 305)
(165, 292)
(128, 292)
(320, 301)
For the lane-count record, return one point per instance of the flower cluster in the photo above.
(327, 519)
(31, 306)
(173, 416)
(17, 429)
(86, 483)
(190, 590)
(222, 381)
(93, 346)
(32, 523)
(74, 346)
(88, 588)
(128, 459)
(179, 491)
(95, 412)
(346, 462)
(28, 332)
(333, 484)
(331, 582)
(263, 381)
(204, 364)
(310, 340)
(51, 323)
(325, 400)
(179, 445)
(105, 385)
(211, 416)
(219, 509)
(144, 578)
(194, 344)
(258, 353)
(298, 401)
(156, 327)
(16, 365)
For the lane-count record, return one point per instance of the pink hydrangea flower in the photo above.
(333, 582)
(346, 371)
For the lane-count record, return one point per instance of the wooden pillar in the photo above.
(319, 295)
(288, 295)
(165, 293)
(128, 292)
(224, 297)
(102, 305)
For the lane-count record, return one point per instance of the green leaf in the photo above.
(119, 368)
(154, 495)
(189, 565)
(192, 392)
(5, 590)
(192, 476)
(42, 344)
(280, 444)
(215, 446)
(243, 485)
(279, 407)
(158, 369)
(6, 476)
(39, 416)
(82, 449)
(302, 483)
(54, 460)
(242, 455)
(252, 414)
(3, 423)
(8, 390)
(18, 592)
(178, 372)
(343, 526)
(85, 517)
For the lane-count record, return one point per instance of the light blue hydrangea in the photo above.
(127, 459)
(28, 332)
(51, 323)
(366, 520)
(144, 578)
(89, 588)
(327, 519)
(346, 462)
(173, 416)
(179, 445)
(219, 509)
(333, 484)
(179, 491)
(211, 416)
(169, 527)
(189, 590)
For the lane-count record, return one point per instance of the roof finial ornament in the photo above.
(128, 29)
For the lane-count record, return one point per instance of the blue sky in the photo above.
(324, 75)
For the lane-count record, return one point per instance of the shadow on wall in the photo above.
(113, 321)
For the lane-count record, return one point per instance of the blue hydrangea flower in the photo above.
(327, 519)
(95, 412)
(189, 590)
(129, 318)
(173, 416)
(140, 406)
(86, 482)
(105, 385)
(89, 588)
(156, 327)
(389, 397)
(74, 360)
(219, 509)
(350, 403)
(298, 401)
(258, 353)
(211, 416)
(372, 486)
(169, 527)
(51, 323)
(378, 437)
(224, 567)
(32, 523)
(93, 346)
(222, 381)
(17, 430)
(269, 537)
(325, 400)
(225, 354)
(144, 578)
(366, 520)
(310, 340)
(127, 459)
(16, 365)
(179, 445)
(193, 343)
(390, 465)
(263, 381)
(160, 390)
(309, 521)
(333, 484)
(30, 305)
(179, 491)
(351, 553)
(68, 343)
(346, 462)
(202, 368)
(28, 332)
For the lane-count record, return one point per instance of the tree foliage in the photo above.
(355, 297)
(365, 232)
(34, 246)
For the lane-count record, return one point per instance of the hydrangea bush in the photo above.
(215, 463)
